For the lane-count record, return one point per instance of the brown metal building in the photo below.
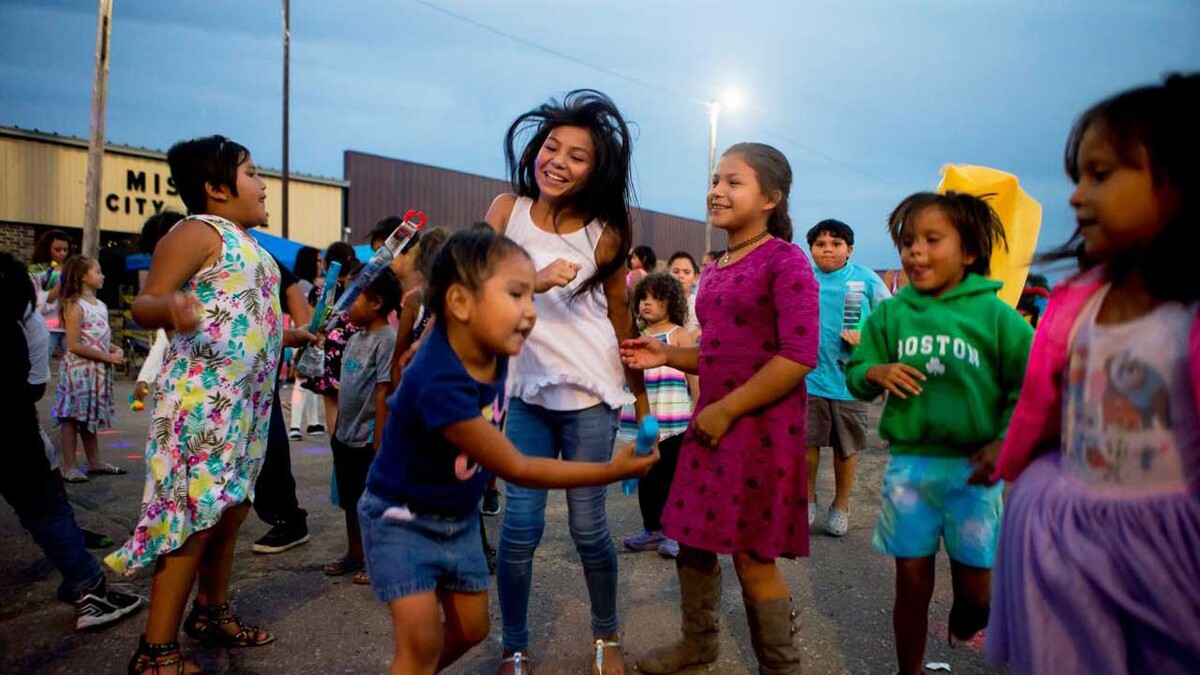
(382, 186)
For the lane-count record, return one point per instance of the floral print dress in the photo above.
(212, 403)
(84, 392)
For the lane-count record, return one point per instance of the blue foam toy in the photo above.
(646, 438)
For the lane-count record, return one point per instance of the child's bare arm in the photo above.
(621, 318)
(404, 329)
(483, 443)
(188, 248)
(73, 321)
(646, 352)
(381, 413)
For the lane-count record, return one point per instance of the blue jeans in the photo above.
(34, 492)
(578, 435)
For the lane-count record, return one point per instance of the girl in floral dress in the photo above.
(83, 402)
(216, 287)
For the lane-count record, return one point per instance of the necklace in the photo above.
(745, 244)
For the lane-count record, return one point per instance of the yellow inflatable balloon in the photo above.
(1020, 213)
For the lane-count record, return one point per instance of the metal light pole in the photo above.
(95, 163)
(714, 111)
(287, 40)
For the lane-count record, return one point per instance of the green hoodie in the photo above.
(970, 346)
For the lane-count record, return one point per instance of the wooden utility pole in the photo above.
(287, 41)
(95, 164)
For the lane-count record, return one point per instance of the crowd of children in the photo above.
(752, 364)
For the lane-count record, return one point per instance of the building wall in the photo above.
(45, 176)
(383, 186)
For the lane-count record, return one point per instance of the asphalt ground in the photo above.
(843, 592)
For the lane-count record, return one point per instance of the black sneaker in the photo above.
(95, 539)
(281, 537)
(102, 605)
(316, 428)
(491, 503)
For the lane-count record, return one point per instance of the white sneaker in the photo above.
(837, 523)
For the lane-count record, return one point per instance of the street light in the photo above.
(731, 99)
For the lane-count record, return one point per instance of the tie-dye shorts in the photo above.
(927, 500)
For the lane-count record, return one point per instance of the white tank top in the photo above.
(570, 361)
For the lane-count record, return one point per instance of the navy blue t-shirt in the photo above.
(416, 466)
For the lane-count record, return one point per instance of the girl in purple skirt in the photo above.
(1099, 562)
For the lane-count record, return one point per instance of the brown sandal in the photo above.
(206, 624)
(598, 661)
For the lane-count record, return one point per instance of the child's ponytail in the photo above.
(775, 179)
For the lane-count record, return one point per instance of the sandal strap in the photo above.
(518, 659)
(602, 644)
(222, 615)
(153, 656)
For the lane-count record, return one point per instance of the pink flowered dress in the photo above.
(84, 392)
(749, 493)
(212, 403)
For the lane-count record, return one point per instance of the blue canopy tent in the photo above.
(285, 250)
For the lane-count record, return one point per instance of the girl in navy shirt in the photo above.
(420, 513)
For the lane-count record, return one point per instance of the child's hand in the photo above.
(711, 424)
(141, 391)
(185, 311)
(116, 355)
(643, 352)
(558, 273)
(897, 378)
(984, 462)
(296, 337)
(628, 464)
(407, 357)
(853, 337)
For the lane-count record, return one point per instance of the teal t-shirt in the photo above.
(847, 297)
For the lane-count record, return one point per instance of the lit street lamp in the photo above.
(732, 99)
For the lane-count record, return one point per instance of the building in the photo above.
(44, 186)
(382, 186)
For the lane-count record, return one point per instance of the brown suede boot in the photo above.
(700, 600)
(772, 632)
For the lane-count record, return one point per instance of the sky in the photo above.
(868, 99)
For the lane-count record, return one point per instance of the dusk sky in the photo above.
(867, 99)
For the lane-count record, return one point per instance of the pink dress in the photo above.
(749, 494)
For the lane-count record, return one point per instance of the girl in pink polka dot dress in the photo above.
(740, 485)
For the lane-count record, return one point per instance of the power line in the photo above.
(644, 84)
(562, 55)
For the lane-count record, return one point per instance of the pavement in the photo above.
(843, 592)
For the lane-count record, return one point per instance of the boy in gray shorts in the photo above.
(835, 418)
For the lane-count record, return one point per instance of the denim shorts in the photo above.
(426, 553)
(927, 500)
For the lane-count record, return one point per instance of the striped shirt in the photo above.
(670, 400)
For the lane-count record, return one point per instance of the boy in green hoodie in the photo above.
(952, 356)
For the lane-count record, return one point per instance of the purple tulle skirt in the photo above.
(1091, 583)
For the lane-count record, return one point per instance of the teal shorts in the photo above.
(927, 500)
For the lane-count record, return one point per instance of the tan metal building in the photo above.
(42, 186)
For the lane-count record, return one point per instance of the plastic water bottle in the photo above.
(327, 291)
(400, 238)
(646, 438)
